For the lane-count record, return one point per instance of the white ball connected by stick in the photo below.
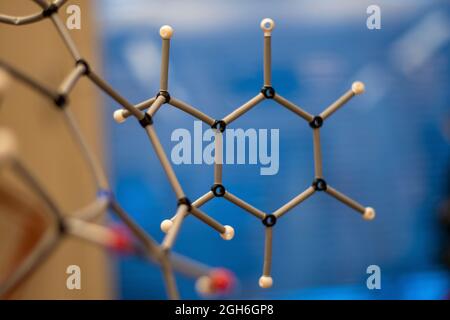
(267, 25)
(166, 32)
(118, 116)
(369, 214)
(358, 87)
(228, 234)
(265, 282)
(166, 225)
(8, 145)
(203, 285)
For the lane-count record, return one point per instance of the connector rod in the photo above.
(67, 39)
(268, 251)
(23, 20)
(318, 171)
(293, 107)
(172, 234)
(103, 85)
(218, 156)
(156, 105)
(267, 26)
(38, 255)
(169, 277)
(191, 110)
(92, 210)
(120, 115)
(149, 243)
(294, 202)
(198, 203)
(72, 78)
(265, 281)
(26, 79)
(166, 33)
(164, 162)
(203, 199)
(345, 199)
(93, 164)
(244, 108)
(208, 220)
(244, 205)
(356, 89)
(31, 181)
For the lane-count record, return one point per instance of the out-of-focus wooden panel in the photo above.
(46, 146)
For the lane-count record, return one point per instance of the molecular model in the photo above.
(209, 280)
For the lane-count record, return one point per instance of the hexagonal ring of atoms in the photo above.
(218, 190)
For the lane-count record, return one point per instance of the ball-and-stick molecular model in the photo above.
(210, 281)
(79, 224)
(172, 226)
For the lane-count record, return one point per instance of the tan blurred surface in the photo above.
(46, 146)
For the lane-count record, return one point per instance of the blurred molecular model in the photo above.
(209, 281)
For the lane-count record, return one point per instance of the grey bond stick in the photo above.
(41, 3)
(166, 33)
(244, 205)
(164, 162)
(169, 239)
(166, 224)
(66, 37)
(32, 182)
(35, 17)
(292, 107)
(317, 153)
(340, 102)
(21, 76)
(96, 170)
(59, 3)
(346, 200)
(211, 222)
(71, 80)
(294, 202)
(93, 210)
(244, 108)
(169, 277)
(149, 243)
(188, 267)
(102, 84)
(162, 254)
(21, 20)
(267, 25)
(191, 110)
(36, 258)
(226, 232)
(122, 114)
(266, 280)
(159, 101)
(90, 232)
(203, 199)
(218, 157)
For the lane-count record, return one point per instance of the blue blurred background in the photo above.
(388, 148)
